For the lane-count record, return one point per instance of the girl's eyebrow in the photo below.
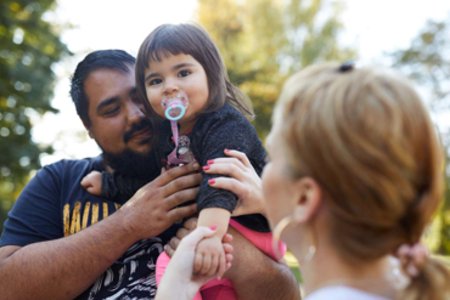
(174, 68)
(182, 65)
(150, 75)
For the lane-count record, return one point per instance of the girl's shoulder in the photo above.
(227, 115)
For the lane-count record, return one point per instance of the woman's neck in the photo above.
(328, 269)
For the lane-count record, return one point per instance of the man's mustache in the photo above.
(143, 125)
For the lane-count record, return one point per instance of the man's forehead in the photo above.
(103, 84)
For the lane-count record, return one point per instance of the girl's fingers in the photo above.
(228, 248)
(198, 261)
(206, 265)
(215, 265)
(221, 266)
(227, 238)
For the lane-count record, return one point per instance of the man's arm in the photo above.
(64, 268)
(257, 276)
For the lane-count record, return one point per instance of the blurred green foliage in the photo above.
(265, 41)
(29, 48)
(427, 62)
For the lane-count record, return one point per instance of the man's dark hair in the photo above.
(102, 59)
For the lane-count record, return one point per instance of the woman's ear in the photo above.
(308, 200)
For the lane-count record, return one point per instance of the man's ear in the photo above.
(88, 129)
(308, 200)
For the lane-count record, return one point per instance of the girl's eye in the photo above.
(184, 73)
(155, 81)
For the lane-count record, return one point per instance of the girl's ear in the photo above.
(308, 200)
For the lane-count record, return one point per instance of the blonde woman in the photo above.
(355, 175)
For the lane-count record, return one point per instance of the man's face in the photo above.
(118, 123)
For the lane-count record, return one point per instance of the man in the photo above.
(60, 242)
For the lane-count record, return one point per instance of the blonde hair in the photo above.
(364, 135)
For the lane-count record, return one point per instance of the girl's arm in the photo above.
(209, 254)
(215, 218)
(110, 185)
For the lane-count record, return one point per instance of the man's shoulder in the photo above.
(95, 162)
(75, 165)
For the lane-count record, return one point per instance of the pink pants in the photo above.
(223, 289)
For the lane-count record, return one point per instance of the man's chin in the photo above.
(139, 162)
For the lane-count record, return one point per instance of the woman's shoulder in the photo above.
(342, 292)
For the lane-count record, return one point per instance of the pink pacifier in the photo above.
(174, 110)
(175, 107)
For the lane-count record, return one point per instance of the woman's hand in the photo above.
(178, 281)
(242, 181)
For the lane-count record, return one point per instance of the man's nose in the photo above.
(135, 112)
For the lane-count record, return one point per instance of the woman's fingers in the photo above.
(239, 155)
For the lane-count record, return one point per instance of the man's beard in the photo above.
(132, 164)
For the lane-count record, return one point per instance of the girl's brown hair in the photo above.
(173, 39)
(368, 140)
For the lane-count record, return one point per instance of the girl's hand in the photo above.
(92, 182)
(189, 226)
(178, 281)
(209, 257)
(242, 181)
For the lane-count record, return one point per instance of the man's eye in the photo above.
(184, 73)
(155, 81)
(111, 111)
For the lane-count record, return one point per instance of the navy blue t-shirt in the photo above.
(54, 205)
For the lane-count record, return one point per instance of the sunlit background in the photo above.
(372, 28)
(262, 41)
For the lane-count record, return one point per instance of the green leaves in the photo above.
(265, 41)
(427, 61)
(30, 47)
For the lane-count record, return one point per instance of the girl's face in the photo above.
(174, 75)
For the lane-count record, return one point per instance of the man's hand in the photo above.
(155, 206)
